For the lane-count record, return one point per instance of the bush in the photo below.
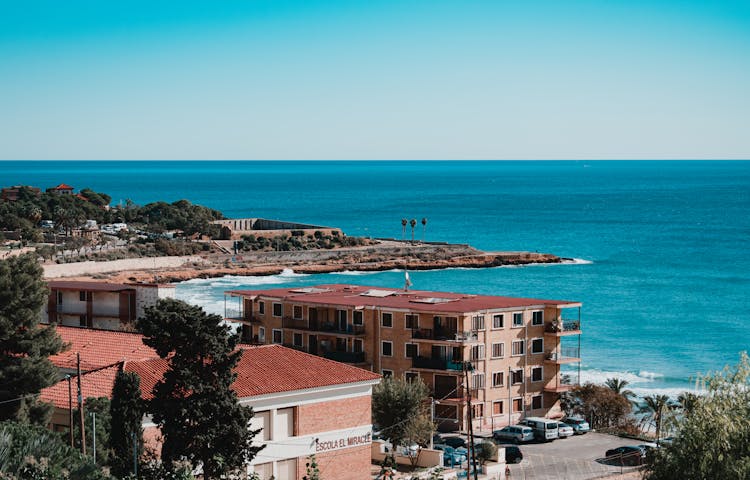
(485, 451)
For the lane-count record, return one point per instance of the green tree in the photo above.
(397, 406)
(194, 404)
(656, 409)
(485, 451)
(100, 407)
(312, 472)
(126, 412)
(25, 346)
(713, 441)
(618, 385)
(599, 404)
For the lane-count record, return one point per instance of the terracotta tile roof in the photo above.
(97, 383)
(418, 300)
(99, 347)
(63, 186)
(89, 286)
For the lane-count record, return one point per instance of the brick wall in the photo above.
(333, 415)
(346, 464)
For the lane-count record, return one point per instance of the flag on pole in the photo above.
(407, 281)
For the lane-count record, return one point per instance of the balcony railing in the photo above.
(564, 354)
(562, 326)
(437, 363)
(346, 357)
(444, 335)
(317, 326)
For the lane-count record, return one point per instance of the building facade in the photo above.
(503, 356)
(101, 305)
(303, 404)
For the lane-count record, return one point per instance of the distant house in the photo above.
(108, 306)
(11, 194)
(62, 189)
(303, 404)
(234, 229)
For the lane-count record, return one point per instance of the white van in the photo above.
(544, 428)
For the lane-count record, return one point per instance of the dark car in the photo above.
(512, 453)
(454, 442)
(627, 455)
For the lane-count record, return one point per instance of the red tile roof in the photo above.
(97, 383)
(89, 286)
(100, 347)
(352, 296)
(261, 370)
(63, 186)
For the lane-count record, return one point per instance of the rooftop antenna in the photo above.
(407, 281)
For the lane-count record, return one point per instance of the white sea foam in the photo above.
(651, 375)
(671, 392)
(598, 377)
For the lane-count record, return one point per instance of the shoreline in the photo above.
(387, 255)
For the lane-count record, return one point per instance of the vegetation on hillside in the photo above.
(299, 241)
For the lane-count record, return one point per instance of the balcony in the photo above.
(235, 315)
(444, 335)
(562, 383)
(317, 326)
(563, 355)
(561, 328)
(346, 357)
(438, 363)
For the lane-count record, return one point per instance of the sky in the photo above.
(373, 79)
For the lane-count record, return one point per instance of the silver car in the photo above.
(514, 433)
(580, 426)
(564, 430)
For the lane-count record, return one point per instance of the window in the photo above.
(262, 421)
(277, 309)
(283, 423)
(498, 350)
(297, 340)
(262, 308)
(537, 345)
(518, 320)
(386, 320)
(518, 347)
(536, 402)
(478, 410)
(537, 318)
(497, 408)
(477, 352)
(262, 334)
(386, 349)
(82, 296)
(357, 317)
(498, 321)
(277, 336)
(386, 373)
(537, 374)
(412, 321)
(411, 376)
(498, 379)
(477, 322)
(341, 317)
(82, 320)
(59, 297)
(357, 345)
(412, 350)
(297, 312)
(286, 468)
(516, 376)
(477, 381)
(517, 405)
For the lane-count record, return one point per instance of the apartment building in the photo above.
(102, 305)
(504, 354)
(304, 404)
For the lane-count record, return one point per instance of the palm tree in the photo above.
(655, 410)
(403, 228)
(618, 385)
(687, 402)
(413, 224)
(424, 227)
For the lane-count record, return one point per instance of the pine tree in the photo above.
(25, 346)
(194, 404)
(126, 412)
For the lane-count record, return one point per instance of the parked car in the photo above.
(514, 433)
(454, 442)
(580, 426)
(544, 429)
(564, 430)
(512, 453)
(626, 455)
(437, 439)
(451, 456)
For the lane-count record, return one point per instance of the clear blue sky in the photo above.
(374, 79)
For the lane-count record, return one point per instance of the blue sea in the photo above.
(662, 248)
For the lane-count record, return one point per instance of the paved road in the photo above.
(571, 458)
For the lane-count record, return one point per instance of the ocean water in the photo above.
(663, 266)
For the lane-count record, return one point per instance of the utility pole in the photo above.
(472, 450)
(93, 433)
(70, 408)
(80, 404)
(135, 454)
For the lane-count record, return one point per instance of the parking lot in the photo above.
(573, 458)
